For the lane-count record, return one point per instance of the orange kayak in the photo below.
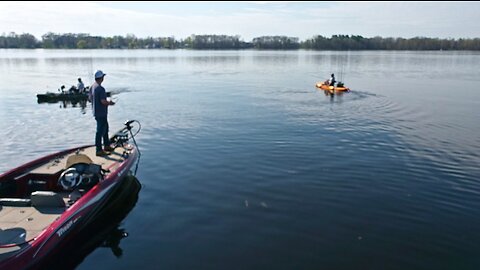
(324, 86)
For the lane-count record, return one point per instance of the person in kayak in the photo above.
(100, 111)
(332, 81)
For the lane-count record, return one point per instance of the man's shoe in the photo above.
(102, 153)
(108, 148)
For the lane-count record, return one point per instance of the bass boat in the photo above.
(51, 97)
(46, 203)
(55, 97)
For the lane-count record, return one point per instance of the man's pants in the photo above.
(102, 132)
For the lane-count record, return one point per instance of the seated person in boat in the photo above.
(73, 90)
(332, 81)
(80, 86)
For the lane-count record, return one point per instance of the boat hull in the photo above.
(55, 97)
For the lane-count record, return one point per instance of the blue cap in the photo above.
(99, 74)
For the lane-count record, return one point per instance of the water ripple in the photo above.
(240, 147)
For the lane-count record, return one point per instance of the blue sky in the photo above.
(246, 19)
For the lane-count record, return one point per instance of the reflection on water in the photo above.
(278, 58)
(73, 104)
(214, 59)
(113, 239)
(64, 104)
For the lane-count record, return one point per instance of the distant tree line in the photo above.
(346, 42)
(225, 42)
(214, 42)
(276, 43)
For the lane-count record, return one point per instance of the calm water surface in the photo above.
(246, 165)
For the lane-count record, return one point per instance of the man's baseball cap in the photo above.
(99, 74)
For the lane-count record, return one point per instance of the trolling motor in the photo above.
(129, 128)
(122, 136)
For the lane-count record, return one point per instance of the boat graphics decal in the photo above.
(67, 226)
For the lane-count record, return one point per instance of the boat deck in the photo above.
(58, 164)
(21, 220)
(19, 224)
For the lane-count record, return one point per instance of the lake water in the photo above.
(246, 165)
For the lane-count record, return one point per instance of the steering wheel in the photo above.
(70, 178)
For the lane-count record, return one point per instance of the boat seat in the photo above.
(15, 202)
(77, 158)
(46, 199)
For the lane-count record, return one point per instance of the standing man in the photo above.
(100, 111)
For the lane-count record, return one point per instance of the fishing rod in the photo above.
(341, 73)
